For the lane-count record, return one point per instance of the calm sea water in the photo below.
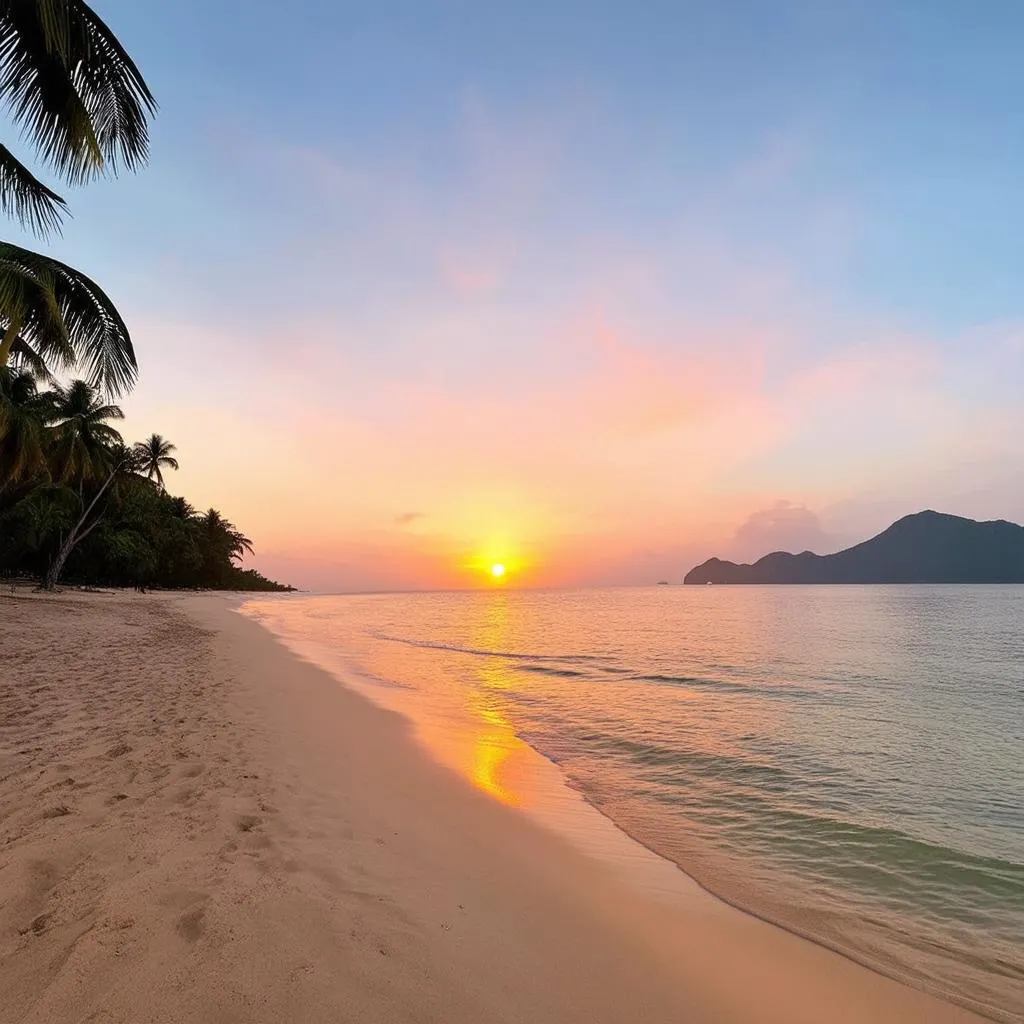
(845, 761)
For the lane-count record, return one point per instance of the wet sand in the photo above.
(196, 825)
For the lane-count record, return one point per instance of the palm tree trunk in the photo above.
(57, 565)
(77, 533)
(10, 335)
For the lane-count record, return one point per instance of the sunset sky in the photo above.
(591, 289)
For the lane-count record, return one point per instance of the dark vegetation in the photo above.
(75, 501)
(928, 547)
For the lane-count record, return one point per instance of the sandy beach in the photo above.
(196, 825)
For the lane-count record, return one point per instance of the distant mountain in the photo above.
(928, 547)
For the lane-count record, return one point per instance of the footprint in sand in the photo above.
(191, 924)
(36, 926)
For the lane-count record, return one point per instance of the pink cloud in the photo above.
(783, 526)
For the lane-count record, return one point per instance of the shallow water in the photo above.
(847, 761)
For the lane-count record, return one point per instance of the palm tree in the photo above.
(23, 417)
(224, 534)
(79, 98)
(153, 454)
(181, 509)
(54, 317)
(120, 462)
(82, 439)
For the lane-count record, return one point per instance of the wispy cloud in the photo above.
(784, 526)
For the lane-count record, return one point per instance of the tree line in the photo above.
(76, 502)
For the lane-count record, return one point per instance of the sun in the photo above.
(497, 570)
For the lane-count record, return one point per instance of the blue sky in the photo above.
(434, 250)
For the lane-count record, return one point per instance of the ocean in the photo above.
(847, 762)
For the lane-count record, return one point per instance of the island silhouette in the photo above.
(927, 547)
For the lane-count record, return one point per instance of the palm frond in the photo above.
(79, 400)
(24, 197)
(153, 455)
(123, 457)
(73, 88)
(67, 318)
(28, 302)
(82, 442)
(106, 412)
(22, 427)
(25, 357)
(182, 509)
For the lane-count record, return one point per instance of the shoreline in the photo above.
(271, 845)
(565, 809)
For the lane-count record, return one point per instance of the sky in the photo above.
(594, 290)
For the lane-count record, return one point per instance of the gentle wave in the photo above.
(845, 762)
(787, 692)
(561, 673)
(431, 645)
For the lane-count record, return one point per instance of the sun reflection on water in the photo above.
(495, 743)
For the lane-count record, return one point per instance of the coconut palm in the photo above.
(154, 454)
(55, 318)
(180, 509)
(81, 101)
(82, 439)
(23, 417)
(120, 461)
(118, 529)
(224, 535)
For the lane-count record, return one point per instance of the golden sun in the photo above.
(497, 570)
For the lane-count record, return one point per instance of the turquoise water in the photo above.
(846, 761)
